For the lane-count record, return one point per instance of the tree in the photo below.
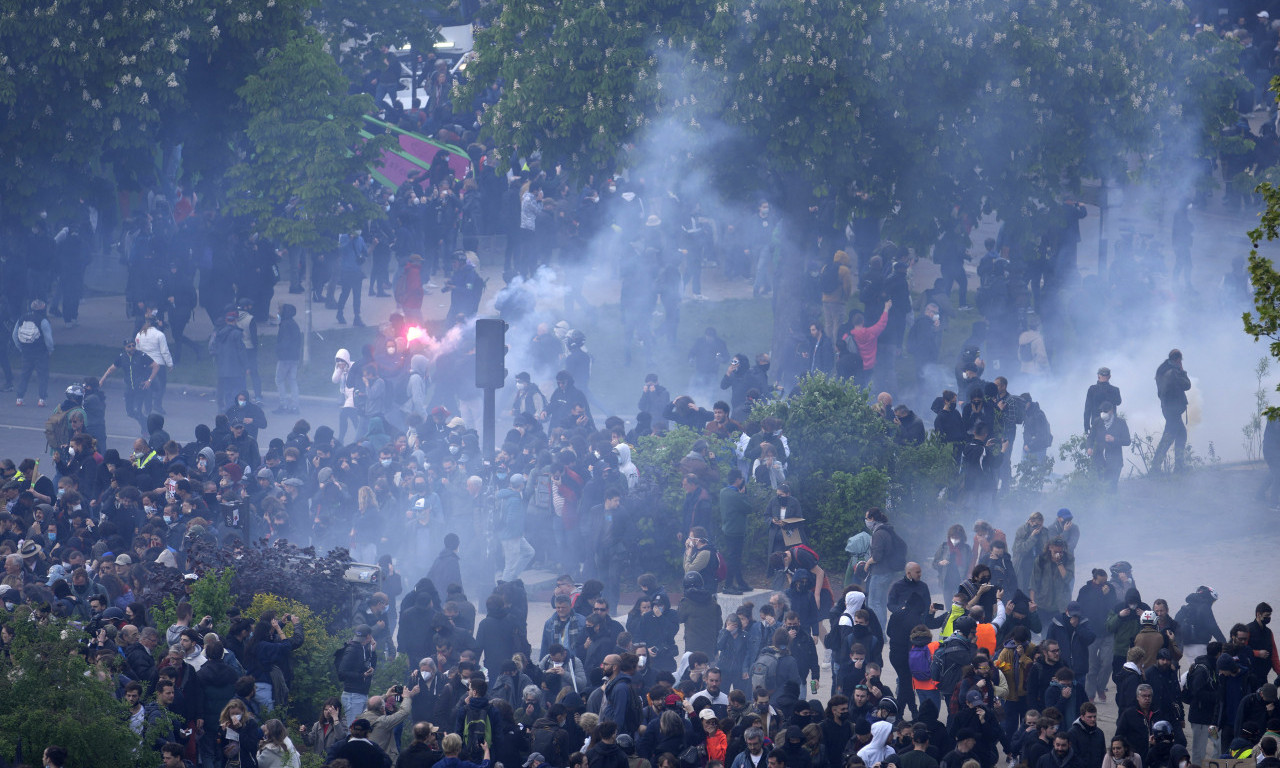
(50, 695)
(1265, 278)
(305, 149)
(97, 90)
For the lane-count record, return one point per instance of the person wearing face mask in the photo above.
(247, 411)
(529, 399)
(1105, 444)
(951, 558)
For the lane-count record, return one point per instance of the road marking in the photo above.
(41, 431)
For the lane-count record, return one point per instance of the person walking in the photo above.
(33, 336)
(351, 254)
(139, 372)
(151, 342)
(1105, 442)
(1172, 383)
(226, 347)
(1103, 391)
(288, 355)
(516, 550)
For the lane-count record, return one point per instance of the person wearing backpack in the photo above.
(919, 665)
(622, 703)
(776, 671)
(888, 558)
(1202, 692)
(33, 336)
(476, 720)
(836, 280)
(949, 660)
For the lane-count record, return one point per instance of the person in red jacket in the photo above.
(866, 340)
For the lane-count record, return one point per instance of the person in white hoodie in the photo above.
(347, 411)
(151, 341)
(626, 466)
(878, 750)
(418, 382)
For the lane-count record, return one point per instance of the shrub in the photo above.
(50, 695)
(314, 678)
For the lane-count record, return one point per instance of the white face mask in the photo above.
(955, 542)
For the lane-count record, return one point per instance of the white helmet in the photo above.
(1148, 617)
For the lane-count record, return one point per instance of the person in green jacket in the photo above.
(1124, 622)
(734, 508)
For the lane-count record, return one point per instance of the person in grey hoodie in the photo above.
(288, 355)
(516, 550)
(418, 383)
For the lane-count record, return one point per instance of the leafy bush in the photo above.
(50, 695)
(314, 678)
(844, 460)
(657, 500)
(279, 569)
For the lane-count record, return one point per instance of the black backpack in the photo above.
(549, 742)
(896, 560)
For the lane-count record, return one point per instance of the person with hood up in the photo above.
(33, 336)
(878, 750)
(418, 383)
(1028, 542)
(910, 427)
(347, 413)
(226, 347)
(288, 355)
(1196, 622)
(700, 614)
(1074, 634)
(407, 288)
(626, 467)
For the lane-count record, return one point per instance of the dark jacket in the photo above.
(219, 682)
(602, 755)
(1088, 742)
(1134, 726)
(1098, 394)
(702, 619)
(289, 336)
(419, 755)
(1074, 642)
(1202, 691)
(356, 659)
(1172, 384)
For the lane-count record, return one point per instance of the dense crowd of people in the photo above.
(1001, 653)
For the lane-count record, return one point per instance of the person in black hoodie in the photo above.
(604, 751)
(1087, 739)
(910, 428)
(288, 355)
(1172, 383)
(497, 634)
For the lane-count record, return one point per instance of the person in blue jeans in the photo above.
(355, 671)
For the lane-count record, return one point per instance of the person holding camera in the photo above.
(267, 653)
(385, 713)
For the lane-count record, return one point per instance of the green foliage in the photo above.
(101, 87)
(49, 695)
(1265, 321)
(362, 27)
(898, 109)
(306, 149)
(211, 596)
(834, 507)
(661, 455)
(844, 460)
(658, 522)
(314, 678)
